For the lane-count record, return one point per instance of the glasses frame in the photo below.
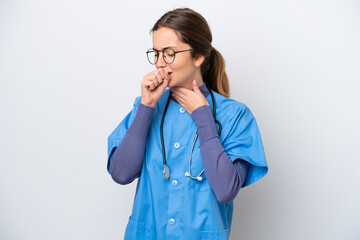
(158, 51)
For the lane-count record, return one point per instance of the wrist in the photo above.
(149, 104)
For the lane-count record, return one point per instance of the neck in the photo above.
(188, 85)
(202, 88)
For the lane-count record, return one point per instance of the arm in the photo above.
(225, 177)
(126, 160)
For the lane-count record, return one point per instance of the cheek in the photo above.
(183, 68)
(182, 71)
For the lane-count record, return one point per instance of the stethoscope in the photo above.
(166, 171)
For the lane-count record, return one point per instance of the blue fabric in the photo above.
(183, 208)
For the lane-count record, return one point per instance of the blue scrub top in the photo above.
(181, 207)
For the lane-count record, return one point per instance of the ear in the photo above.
(198, 60)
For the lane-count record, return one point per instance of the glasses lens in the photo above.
(152, 56)
(169, 55)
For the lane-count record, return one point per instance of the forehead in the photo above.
(166, 37)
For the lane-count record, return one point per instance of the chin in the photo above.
(176, 83)
(172, 83)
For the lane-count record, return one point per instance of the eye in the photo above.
(169, 52)
(167, 55)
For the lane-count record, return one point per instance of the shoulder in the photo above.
(234, 116)
(137, 101)
(229, 105)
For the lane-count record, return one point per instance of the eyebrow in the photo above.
(165, 47)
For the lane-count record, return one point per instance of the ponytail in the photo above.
(214, 75)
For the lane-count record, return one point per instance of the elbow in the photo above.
(226, 198)
(228, 194)
(119, 174)
(121, 177)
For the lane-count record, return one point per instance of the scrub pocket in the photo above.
(138, 230)
(214, 235)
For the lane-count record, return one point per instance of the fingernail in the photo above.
(194, 82)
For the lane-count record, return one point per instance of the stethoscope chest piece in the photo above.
(166, 172)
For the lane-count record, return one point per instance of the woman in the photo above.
(186, 185)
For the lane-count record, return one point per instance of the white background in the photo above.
(70, 71)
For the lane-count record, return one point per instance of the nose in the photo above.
(160, 62)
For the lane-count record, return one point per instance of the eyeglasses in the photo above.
(168, 55)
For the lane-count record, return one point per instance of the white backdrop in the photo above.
(70, 71)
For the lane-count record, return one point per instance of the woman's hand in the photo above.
(190, 100)
(153, 86)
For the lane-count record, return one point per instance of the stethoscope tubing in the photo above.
(166, 171)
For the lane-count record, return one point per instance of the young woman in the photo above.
(191, 146)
